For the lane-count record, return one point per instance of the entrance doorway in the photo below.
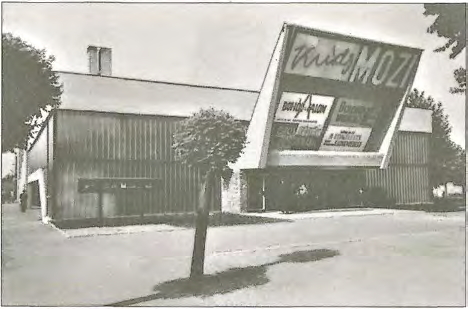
(306, 189)
(255, 192)
(34, 200)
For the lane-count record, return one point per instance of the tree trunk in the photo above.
(201, 226)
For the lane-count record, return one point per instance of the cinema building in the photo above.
(334, 126)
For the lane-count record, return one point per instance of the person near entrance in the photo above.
(285, 197)
(301, 197)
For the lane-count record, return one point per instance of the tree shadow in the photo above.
(227, 281)
(307, 256)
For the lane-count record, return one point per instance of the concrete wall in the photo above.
(234, 195)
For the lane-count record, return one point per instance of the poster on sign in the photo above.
(345, 138)
(355, 113)
(305, 109)
(300, 119)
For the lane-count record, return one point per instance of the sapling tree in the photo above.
(208, 140)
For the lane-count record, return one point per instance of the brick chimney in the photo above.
(99, 60)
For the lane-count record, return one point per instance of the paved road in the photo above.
(407, 259)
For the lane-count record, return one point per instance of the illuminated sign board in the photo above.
(330, 82)
(345, 61)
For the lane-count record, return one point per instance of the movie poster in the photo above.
(355, 113)
(300, 119)
(339, 138)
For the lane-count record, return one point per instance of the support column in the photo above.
(263, 193)
(234, 194)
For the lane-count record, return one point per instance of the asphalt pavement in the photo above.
(394, 259)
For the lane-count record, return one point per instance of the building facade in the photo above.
(110, 127)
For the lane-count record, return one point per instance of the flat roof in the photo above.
(138, 96)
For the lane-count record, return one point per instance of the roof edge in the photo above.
(157, 81)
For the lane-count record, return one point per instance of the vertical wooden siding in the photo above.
(91, 145)
(410, 148)
(406, 184)
(407, 177)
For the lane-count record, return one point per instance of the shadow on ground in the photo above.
(226, 281)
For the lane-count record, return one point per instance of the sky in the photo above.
(226, 45)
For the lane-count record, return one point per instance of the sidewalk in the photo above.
(330, 213)
(335, 213)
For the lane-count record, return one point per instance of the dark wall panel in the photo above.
(91, 145)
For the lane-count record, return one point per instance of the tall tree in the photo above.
(29, 89)
(446, 159)
(450, 23)
(208, 140)
(456, 165)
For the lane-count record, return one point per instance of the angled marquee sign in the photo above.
(329, 100)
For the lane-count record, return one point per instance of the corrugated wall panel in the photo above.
(407, 184)
(410, 148)
(407, 178)
(95, 145)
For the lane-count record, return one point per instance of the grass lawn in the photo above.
(179, 220)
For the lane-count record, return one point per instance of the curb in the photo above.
(118, 230)
(330, 214)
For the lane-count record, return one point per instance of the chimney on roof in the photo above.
(100, 60)
(93, 60)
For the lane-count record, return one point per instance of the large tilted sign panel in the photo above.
(338, 93)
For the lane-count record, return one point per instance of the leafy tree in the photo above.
(446, 159)
(450, 24)
(456, 165)
(29, 90)
(209, 140)
(460, 77)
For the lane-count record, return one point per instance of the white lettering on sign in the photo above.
(308, 109)
(321, 57)
(345, 61)
(339, 138)
(353, 112)
(364, 65)
(391, 69)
